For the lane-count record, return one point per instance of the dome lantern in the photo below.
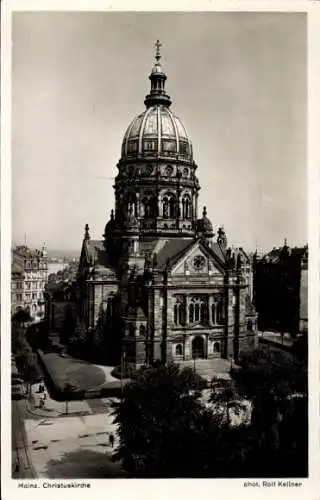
(157, 77)
(157, 131)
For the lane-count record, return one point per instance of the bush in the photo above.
(128, 371)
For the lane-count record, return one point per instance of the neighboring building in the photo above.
(158, 283)
(281, 289)
(29, 274)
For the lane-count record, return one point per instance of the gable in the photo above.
(198, 261)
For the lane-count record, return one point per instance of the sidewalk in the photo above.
(53, 408)
(74, 447)
(276, 337)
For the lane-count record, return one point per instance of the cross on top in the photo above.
(158, 45)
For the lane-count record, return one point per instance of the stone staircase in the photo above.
(209, 368)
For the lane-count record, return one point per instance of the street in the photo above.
(21, 463)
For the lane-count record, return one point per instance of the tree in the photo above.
(22, 316)
(162, 423)
(300, 348)
(268, 377)
(224, 396)
(68, 326)
(276, 384)
(29, 368)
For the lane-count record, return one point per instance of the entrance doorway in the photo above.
(198, 347)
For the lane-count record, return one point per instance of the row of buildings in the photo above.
(29, 273)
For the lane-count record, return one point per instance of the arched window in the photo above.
(186, 207)
(179, 350)
(131, 330)
(219, 313)
(216, 347)
(181, 314)
(146, 207)
(191, 313)
(176, 314)
(249, 325)
(202, 313)
(179, 311)
(213, 313)
(165, 207)
(172, 207)
(142, 331)
(183, 203)
(168, 206)
(196, 312)
(153, 206)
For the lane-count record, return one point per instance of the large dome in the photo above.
(157, 131)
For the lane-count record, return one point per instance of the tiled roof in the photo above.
(98, 255)
(218, 251)
(275, 254)
(172, 249)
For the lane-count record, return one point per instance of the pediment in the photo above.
(197, 261)
(196, 326)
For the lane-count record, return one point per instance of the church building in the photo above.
(161, 282)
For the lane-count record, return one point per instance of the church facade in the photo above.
(160, 282)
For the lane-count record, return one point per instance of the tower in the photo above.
(157, 174)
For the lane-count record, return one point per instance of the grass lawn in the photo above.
(77, 372)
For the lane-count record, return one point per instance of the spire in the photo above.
(86, 232)
(222, 238)
(158, 46)
(204, 213)
(157, 77)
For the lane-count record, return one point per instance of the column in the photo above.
(196, 206)
(187, 308)
(210, 303)
(137, 205)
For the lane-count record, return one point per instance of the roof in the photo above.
(172, 249)
(159, 125)
(218, 250)
(275, 254)
(97, 255)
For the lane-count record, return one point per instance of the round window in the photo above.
(169, 170)
(199, 262)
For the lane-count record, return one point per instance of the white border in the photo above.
(159, 489)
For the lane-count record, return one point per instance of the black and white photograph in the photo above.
(159, 247)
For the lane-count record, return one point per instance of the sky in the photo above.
(237, 81)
